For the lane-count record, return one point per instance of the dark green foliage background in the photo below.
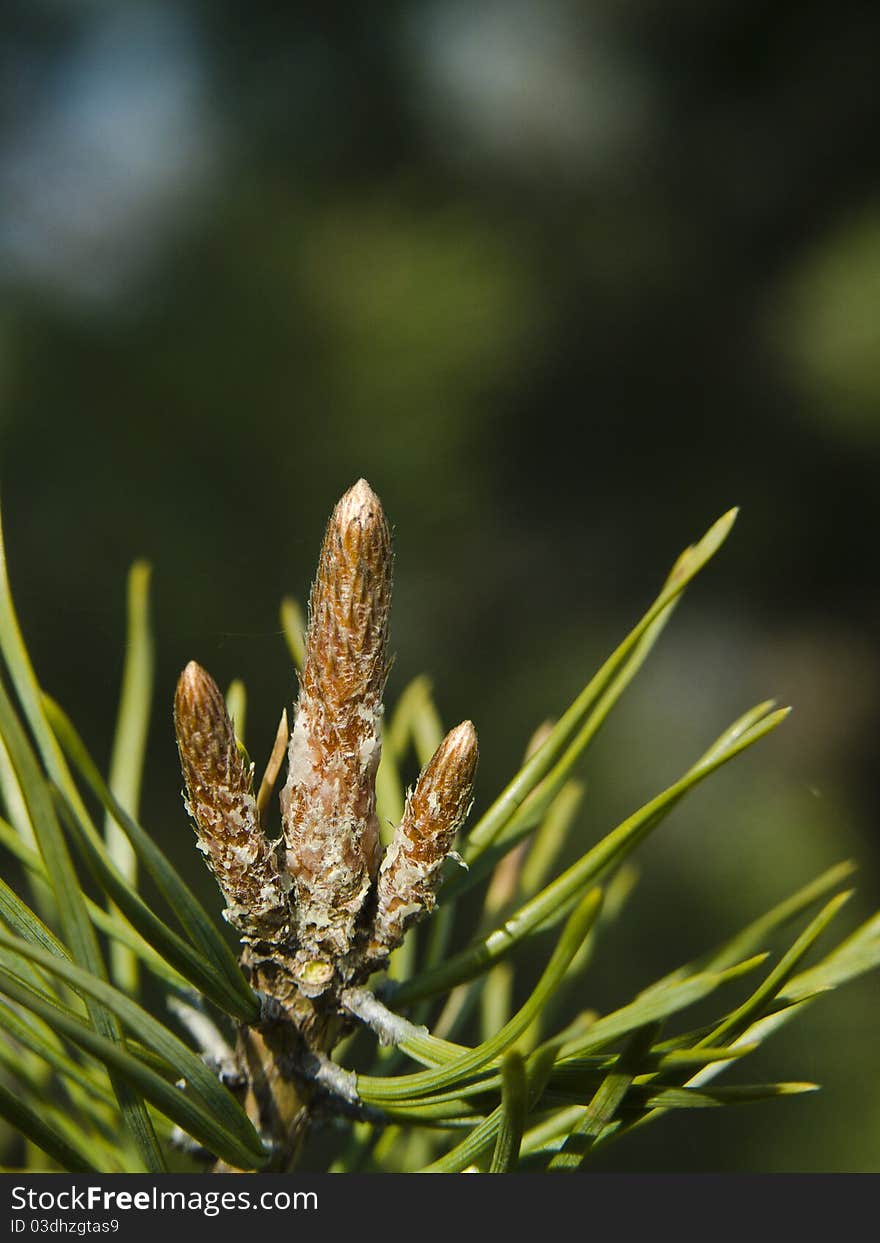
(564, 282)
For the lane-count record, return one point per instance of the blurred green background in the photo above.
(564, 281)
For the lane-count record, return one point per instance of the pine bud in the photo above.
(219, 797)
(328, 803)
(435, 810)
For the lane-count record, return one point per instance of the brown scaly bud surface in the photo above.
(221, 802)
(328, 803)
(435, 810)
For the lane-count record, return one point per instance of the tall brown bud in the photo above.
(221, 802)
(328, 803)
(435, 810)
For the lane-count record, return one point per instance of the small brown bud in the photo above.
(328, 803)
(435, 810)
(221, 802)
(347, 639)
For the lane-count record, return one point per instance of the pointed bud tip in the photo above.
(197, 690)
(187, 681)
(192, 673)
(193, 679)
(359, 504)
(464, 735)
(459, 748)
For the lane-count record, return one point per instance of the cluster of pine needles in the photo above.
(92, 1080)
